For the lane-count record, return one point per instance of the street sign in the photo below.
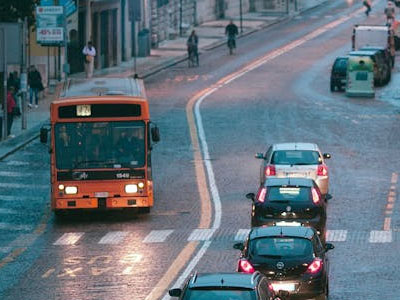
(50, 24)
(13, 32)
(69, 6)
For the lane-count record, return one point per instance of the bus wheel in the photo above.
(60, 213)
(144, 210)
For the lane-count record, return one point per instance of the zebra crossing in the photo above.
(166, 235)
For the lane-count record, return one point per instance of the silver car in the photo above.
(295, 160)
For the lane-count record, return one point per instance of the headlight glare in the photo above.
(70, 190)
(131, 188)
(61, 187)
(141, 185)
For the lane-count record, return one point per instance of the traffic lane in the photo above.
(92, 271)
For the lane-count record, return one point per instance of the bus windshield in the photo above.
(92, 145)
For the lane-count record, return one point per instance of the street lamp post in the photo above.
(241, 16)
(180, 18)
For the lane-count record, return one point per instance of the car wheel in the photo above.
(332, 87)
(327, 288)
(60, 214)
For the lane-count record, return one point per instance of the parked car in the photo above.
(216, 286)
(292, 258)
(338, 73)
(289, 201)
(385, 53)
(295, 160)
(381, 69)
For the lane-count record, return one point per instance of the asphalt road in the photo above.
(200, 205)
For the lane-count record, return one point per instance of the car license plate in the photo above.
(296, 175)
(277, 286)
(284, 223)
(101, 194)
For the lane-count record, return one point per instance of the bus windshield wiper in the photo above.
(86, 162)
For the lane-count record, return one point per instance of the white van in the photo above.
(360, 77)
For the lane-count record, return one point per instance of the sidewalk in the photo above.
(211, 35)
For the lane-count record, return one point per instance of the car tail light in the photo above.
(315, 195)
(270, 170)
(245, 266)
(315, 266)
(261, 195)
(322, 170)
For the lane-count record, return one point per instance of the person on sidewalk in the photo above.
(367, 4)
(10, 110)
(35, 85)
(390, 13)
(90, 52)
(192, 44)
(231, 31)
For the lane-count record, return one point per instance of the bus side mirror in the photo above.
(43, 135)
(155, 134)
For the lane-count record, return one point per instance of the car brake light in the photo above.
(315, 195)
(245, 266)
(261, 195)
(270, 170)
(322, 170)
(315, 266)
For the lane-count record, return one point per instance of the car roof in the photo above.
(292, 181)
(239, 280)
(342, 57)
(372, 48)
(286, 231)
(295, 146)
(362, 52)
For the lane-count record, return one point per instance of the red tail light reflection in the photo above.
(270, 170)
(261, 195)
(315, 266)
(322, 170)
(245, 266)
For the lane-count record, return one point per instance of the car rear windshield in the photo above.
(279, 247)
(341, 64)
(291, 194)
(296, 157)
(219, 294)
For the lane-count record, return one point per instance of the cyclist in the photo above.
(231, 30)
(192, 46)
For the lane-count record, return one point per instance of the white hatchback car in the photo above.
(296, 160)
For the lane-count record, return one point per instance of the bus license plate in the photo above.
(101, 194)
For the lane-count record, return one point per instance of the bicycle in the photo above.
(193, 56)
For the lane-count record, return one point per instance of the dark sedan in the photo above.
(292, 258)
(289, 201)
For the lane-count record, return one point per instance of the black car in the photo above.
(338, 73)
(384, 52)
(221, 286)
(292, 258)
(289, 201)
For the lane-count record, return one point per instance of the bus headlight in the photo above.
(131, 188)
(70, 190)
(141, 185)
(60, 187)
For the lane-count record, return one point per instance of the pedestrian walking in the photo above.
(35, 85)
(10, 110)
(90, 52)
(367, 4)
(231, 31)
(390, 13)
(192, 48)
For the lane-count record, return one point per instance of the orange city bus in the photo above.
(101, 141)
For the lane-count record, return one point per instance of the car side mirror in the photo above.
(44, 132)
(328, 197)
(250, 196)
(238, 246)
(327, 156)
(175, 292)
(329, 246)
(155, 134)
(259, 156)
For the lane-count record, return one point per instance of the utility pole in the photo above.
(180, 17)
(5, 123)
(24, 77)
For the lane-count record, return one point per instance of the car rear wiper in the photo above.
(279, 201)
(271, 255)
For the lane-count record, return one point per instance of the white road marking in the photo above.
(17, 163)
(380, 236)
(201, 234)
(157, 236)
(69, 238)
(336, 235)
(241, 235)
(8, 211)
(19, 198)
(10, 226)
(24, 186)
(113, 237)
(15, 174)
